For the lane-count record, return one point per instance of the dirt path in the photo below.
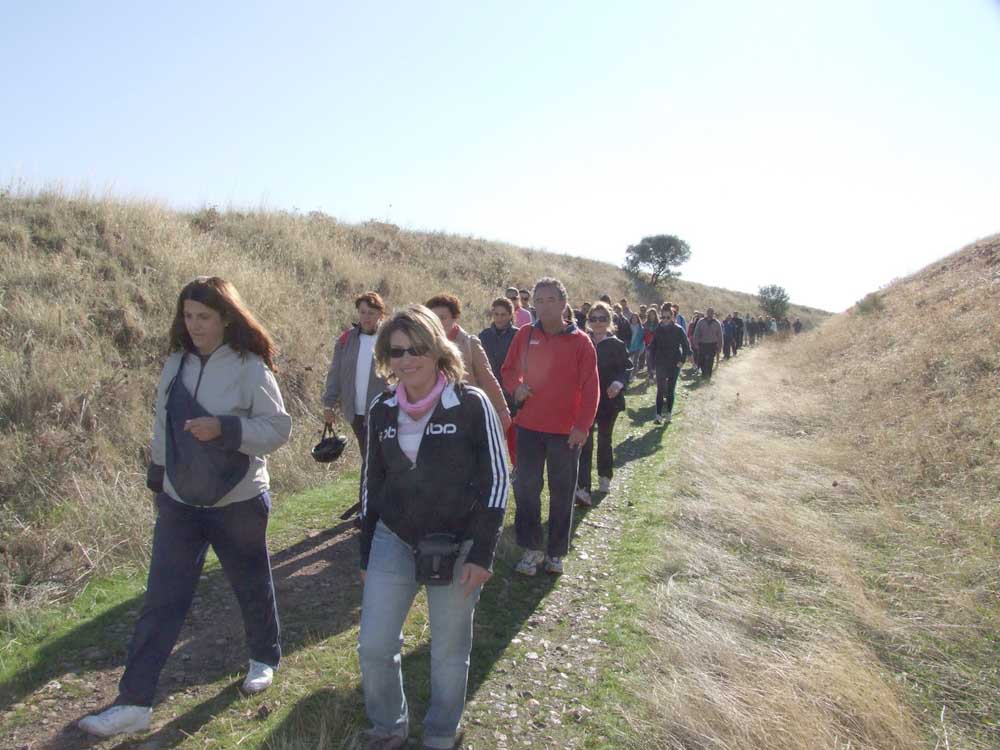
(536, 692)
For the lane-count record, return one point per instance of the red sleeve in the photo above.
(589, 383)
(510, 370)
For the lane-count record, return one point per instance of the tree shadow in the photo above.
(212, 644)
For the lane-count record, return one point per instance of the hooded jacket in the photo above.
(561, 369)
(241, 391)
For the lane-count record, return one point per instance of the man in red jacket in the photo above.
(551, 368)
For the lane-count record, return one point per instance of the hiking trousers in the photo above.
(181, 539)
(537, 451)
(666, 387)
(605, 452)
(706, 354)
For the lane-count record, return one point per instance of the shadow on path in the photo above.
(212, 644)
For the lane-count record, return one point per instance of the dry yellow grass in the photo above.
(831, 574)
(87, 289)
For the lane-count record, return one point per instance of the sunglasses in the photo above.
(395, 352)
(598, 318)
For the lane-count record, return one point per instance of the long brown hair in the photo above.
(243, 332)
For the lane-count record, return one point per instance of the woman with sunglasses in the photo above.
(613, 369)
(218, 413)
(433, 500)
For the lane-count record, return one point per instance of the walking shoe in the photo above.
(553, 565)
(117, 720)
(583, 498)
(529, 562)
(604, 484)
(668, 417)
(659, 419)
(259, 678)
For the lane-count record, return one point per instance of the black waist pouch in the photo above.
(436, 555)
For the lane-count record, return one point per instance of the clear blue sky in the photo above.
(827, 147)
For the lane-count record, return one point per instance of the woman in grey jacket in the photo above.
(218, 413)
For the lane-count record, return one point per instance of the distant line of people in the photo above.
(445, 421)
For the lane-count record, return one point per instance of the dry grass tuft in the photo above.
(831, 567)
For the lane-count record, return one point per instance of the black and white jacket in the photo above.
(458, 484)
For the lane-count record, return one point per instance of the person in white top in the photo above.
(352, 381)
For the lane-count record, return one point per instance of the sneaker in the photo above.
(659, 419)
(604, 484)
(668, 417)
(529, 562)
(583, 498)
(553, 565)
(259, 678)
(117, 720)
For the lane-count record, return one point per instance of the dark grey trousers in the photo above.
(535, 450)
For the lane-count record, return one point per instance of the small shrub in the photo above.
(206, 220)
(872, 304)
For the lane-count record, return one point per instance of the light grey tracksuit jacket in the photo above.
(242, 392)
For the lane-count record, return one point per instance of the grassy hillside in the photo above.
(830, 576)
(87, 288)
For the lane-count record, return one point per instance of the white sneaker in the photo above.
(530, 562)
(659, 419)
(117, 720)
(604, 484)
(259, 678)
(668, 417)
(583, 498)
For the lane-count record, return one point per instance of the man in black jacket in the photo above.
(667, 351)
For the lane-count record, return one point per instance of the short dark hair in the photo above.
(606, 298)
(503, 302)
(372, 299)
(445, 300)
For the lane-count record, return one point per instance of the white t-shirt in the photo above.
(362, 372)
(409, 432)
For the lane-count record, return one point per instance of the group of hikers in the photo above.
(445, 421)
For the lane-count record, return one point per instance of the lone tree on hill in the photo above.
(657, 255)
(773, 300)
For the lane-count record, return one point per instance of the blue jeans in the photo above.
(390, 585)
(181, 538)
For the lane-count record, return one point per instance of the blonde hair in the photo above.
(425, 332)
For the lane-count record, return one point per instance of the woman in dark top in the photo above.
(435, 483)
(613, 368)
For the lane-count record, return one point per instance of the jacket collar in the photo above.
(570, 328)
(449, 398)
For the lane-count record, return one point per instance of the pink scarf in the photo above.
(417, 410)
